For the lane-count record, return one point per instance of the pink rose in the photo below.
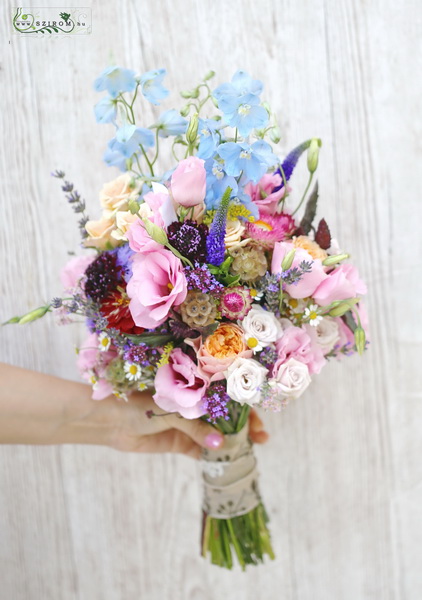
(310, 281)
(157, 284)
(74, 270)
(262, 193)
(297, 343)
(188, 182)
(342, 283)
(179, 386)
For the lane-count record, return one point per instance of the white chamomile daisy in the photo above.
(120, 395)
(133, 371)
(312, 316)
(142, 387)
(104, 341)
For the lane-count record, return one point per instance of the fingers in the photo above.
(171, 440)
(256, 428)
(200, 432)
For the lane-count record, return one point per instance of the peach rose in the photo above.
(116, 194)
(311, 247)
(219, 350)
(99, 232)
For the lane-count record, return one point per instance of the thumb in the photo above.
(200, 432)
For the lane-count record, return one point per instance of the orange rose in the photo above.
(219, 350)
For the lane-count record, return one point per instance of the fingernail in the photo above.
(213, 440)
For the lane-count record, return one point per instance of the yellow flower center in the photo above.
(293, 302)
(264, 225)
(170, 286)
(313, 315)
(104, 342)
(133, 369)
(252, 342)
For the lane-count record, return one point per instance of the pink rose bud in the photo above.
(188, 182)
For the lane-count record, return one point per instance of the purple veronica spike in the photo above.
(290, 162)
(215, 240)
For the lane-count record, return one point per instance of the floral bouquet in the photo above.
(205, 285)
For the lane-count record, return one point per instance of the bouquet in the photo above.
(212, 283)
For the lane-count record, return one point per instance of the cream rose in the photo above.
(327, 334)
(244, 379)
(291, 379)
(116, 194)
(234, 232)
(124, 220)
(261, 328)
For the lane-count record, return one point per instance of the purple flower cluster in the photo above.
(216, 400)
(189, 239)
(200, 278)
(103, 276)
(216, 247)
(141, 354)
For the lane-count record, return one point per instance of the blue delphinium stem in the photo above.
(215, 240)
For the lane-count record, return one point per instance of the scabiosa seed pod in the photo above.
(198, 310)
(249, 262)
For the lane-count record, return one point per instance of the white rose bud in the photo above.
(261, 328)
(244, 379)
(327, 334)
(291, 379)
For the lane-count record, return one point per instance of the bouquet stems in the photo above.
(244, 536)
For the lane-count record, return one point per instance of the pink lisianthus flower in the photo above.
(297, 343)
(157, 208)
(270, 228)
(188, 182)
(310, 281)
(262, 193)
(342, 283)
(157, 284)
(92, 364)
(179, 386)
(74, 270)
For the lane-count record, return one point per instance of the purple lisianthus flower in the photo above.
(151, 86)
(115, 80)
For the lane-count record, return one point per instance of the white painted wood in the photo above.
(342, 474)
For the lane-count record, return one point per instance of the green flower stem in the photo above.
(156, 146)
(134, 95)
(151, 168)
(286, 193)
(311, 176)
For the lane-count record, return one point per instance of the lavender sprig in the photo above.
(74, 199)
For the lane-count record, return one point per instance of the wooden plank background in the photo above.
(342, 476)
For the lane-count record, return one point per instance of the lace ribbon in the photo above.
(230, 478)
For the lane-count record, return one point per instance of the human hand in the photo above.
(135, 431)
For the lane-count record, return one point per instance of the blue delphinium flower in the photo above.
(217, 182)
(115, 80)
(208, 137)
(171, 122)
(240, 103)
(253, 160)
(106, 110)
(112, 158)
(152, 86)
(241, 84)
(129, 138)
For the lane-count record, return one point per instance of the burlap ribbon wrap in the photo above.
(230, 478)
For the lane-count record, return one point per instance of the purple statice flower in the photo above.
(216, 400)
(268, 357)
(215, 241)
(200, 278)
(137, 354)
(189, 239)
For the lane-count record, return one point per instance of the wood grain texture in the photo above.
(342, 476)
